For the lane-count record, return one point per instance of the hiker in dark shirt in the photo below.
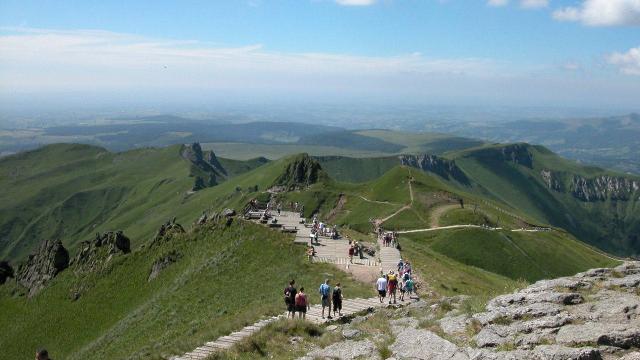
(337, 300)
(290, 299)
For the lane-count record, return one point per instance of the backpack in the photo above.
(301, 300)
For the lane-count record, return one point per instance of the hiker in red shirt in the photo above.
(301, 304)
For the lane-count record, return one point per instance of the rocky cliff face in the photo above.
(437, 165)
(94, 255)
(208, 170)
(518, 154)
(599, 188)
(49, 259)
(6, 271)
(603, 187)
(299, 173)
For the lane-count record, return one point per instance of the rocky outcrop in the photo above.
(517, 154)
(163, 263)
(167, 231)
(6, 271)
(48, 261)
(207, 169)
(94, 255)
(583, 316)
(551, 180)
(598, 188)
(300, 173)
(603, 187)
(446, 169)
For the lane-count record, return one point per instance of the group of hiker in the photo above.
(355, 249)
(389, 238)
(298, 302)
(389, 284)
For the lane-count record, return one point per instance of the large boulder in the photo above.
(6, 271)
(50, 258)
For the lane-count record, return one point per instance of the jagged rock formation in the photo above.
(437, 165)
(551, 180)
(167, 231)
(94, 255)
(49, 259)
(603, 187)
(163, 263)
(599, 188)
(299, 173)
(206, 166)
(6, 271)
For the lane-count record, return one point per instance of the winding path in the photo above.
(329, 250)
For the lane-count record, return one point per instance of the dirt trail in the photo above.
(436, 214)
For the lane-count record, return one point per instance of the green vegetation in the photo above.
(216, 287)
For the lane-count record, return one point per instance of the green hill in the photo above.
(216, 278)
(224, 278)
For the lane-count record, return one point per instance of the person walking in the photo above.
(381, 286)
(337, 300)
(325, 292)
(302, 305)
(392, 285)
(400, 265)
(290, 299)
(351, 251)
(409, 286)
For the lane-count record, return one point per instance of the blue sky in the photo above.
(529, 52)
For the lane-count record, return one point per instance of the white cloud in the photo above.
(355, 2)
(498, 2)
(534, 4)
(602, 13)
(32, 59)
(628, 62)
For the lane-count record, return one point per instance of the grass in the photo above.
(216, 287)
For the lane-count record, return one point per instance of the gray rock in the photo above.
(228, 212)
(422, 344)
(399, 325)
(346, 350)
(332, 327)
(494, 335)
(631, 356)
(619, 335)
(351, 333)
(454, 324)
(49, 259)
(631, 281)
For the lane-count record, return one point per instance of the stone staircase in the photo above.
(334, 251)
(350, 307)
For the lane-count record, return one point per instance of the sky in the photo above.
(574, 53)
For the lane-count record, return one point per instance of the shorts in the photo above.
(382, 293)
(337, 305)
(301, 309)
(291, 308)
(325, 301)
(392, 289)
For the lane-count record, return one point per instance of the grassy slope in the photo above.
(447, 258)
(225, 279)
(72, 191)
(611, 225)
